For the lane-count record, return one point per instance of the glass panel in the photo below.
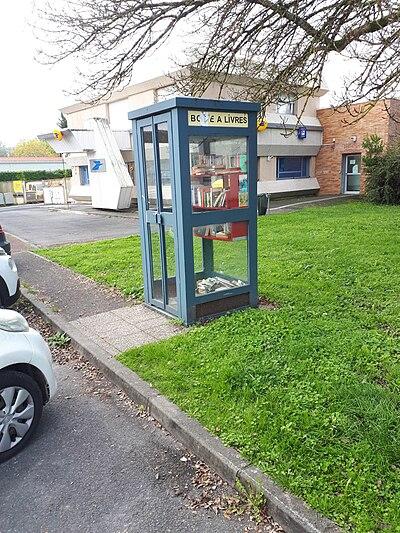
(171, 267)
(147, 138)
(353, 182)
(165, 165)
(84, 175)
(353, 173)
(224, 257)
(218, 172)
(156, 270)
(293, 167)
(353, 164)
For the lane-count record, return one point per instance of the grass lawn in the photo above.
(308, 392)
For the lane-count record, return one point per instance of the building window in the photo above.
(84, 175)
(292, 167)
(286, 105)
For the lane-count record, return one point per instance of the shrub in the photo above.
(382, 168)
(35, 175)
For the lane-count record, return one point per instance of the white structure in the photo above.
(286, 163)
(98, 158)
(110, 182)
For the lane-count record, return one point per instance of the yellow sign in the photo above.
(58, 135)
(17, 186)
(262, 124)
(218, 119)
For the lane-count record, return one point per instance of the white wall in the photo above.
(116, 112)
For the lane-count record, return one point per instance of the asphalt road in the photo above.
(52, 225)
(95, 466)
(49, 226)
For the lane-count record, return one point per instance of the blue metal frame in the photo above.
(182, 219)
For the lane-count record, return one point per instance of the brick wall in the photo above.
(394, 121)
(337, 125)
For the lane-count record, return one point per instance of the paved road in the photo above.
(95, 466)
(48, 226)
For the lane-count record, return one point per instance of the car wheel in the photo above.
(21, 405)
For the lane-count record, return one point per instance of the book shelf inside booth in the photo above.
(218, 264)
(216, 187)
(229, 231)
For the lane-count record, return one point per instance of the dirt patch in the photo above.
(264, 303)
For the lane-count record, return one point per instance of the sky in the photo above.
(31, 94)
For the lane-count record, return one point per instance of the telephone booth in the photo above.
(196, 172)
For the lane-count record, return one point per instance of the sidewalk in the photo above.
(104, 316)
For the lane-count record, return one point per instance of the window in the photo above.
(292, 167)
(220, 256)
(218, 172)
(285, 105)
(84, 175)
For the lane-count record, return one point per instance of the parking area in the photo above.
(44, 226)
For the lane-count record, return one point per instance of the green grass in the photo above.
(116, 263)
(308, 392)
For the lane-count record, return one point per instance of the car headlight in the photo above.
(2, 252)
(12, 321)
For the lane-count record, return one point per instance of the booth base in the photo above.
(217, 307)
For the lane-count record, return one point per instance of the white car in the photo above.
(27, 381)
(9, 281)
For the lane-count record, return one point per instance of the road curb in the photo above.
(289, 511)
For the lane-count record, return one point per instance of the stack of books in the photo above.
(208, 196)
(217, 231)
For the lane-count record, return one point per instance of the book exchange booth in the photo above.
(196, 171)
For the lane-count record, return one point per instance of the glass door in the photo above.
(352, 164)
(158, 197)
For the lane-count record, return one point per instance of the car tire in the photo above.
(26, 400)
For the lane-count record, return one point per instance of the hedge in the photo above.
(382, 169)
(35, 175)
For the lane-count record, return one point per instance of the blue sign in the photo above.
(97, 165)
(302, 132)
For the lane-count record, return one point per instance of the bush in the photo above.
(35, 175)
(382, 168)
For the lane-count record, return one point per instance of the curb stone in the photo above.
(290, 512)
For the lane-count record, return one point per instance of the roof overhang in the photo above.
(83, 140)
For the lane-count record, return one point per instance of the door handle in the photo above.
(158, 218)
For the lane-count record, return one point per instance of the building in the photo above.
(23, 164)
(286, 153)
(339, 161)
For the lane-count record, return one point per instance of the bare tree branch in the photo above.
(275, 46)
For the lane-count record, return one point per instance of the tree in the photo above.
(62, 122)
(280, 46)
(33, 148)
(3, 150)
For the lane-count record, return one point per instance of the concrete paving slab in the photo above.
(165, 332)
(132, 340)
(130, 313)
